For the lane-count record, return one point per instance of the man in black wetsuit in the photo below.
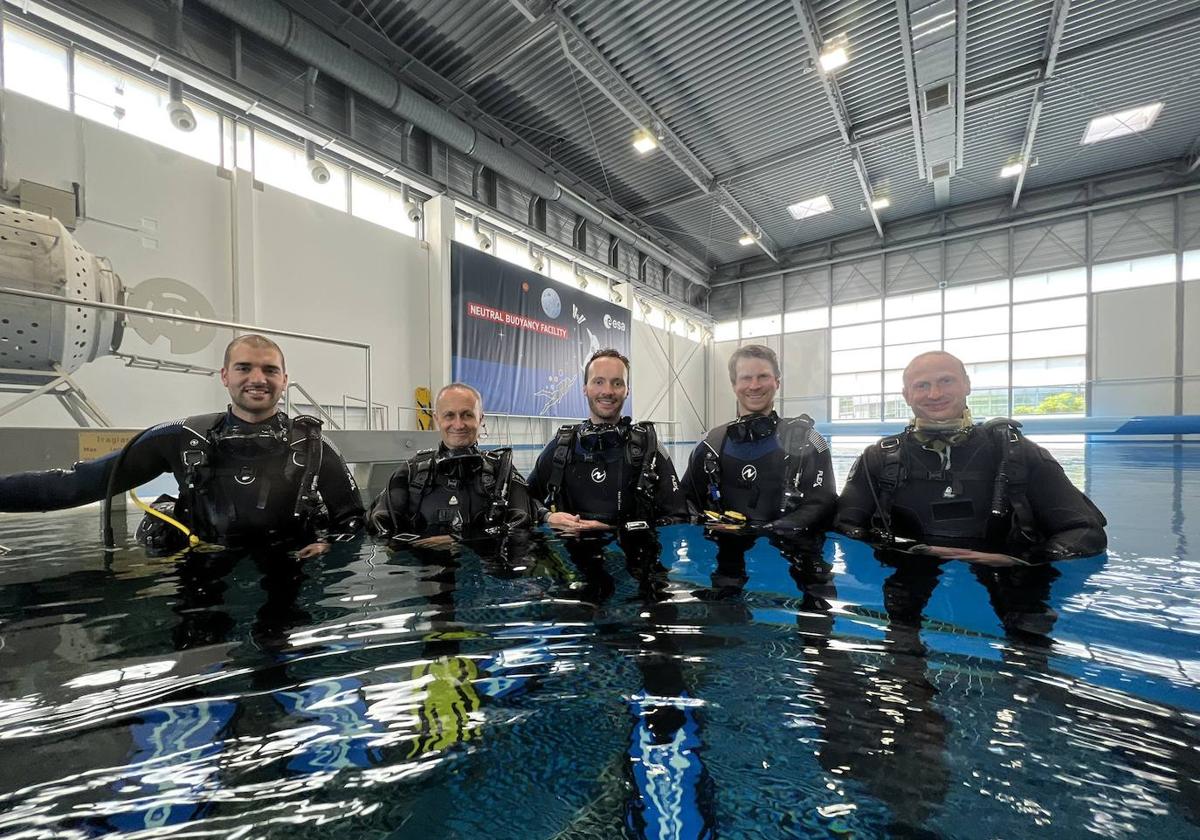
(456, 490)
(770, 472)
(247, 476)
(607, 470)
(977, 492)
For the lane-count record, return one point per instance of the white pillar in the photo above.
(439, 233)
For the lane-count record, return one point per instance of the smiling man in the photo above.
(774, 472)
(977, 492)
(456, 491)
(607, 470)
(248, 475)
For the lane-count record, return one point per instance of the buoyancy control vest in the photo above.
(765, 485)
(441, 495)
(598, 487)
(260, 486)
(979, 492)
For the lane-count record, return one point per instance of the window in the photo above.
(862, 335)
(511, 250)
(377, 202)
(899, 355)
(806, 319)
(976, 295)
(909, 330)
(857, 312)
(1067, 341)
(36, 67)
(850, 384)
(980, 348)
(283, 165)
(725, 331)
(755, 327)
(121, 100)
(851, 361)
(1073, 281)
(1130, 274)
(1067, 312)
(1191, 265)
(988, 374)
(977, 322)
(919, 303)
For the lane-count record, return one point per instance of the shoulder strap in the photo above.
(305, 434)
(796, 443)
(883, 465)
(714, 442)
(420, 473)
(501, 461)
(1010, 491)
(564, 441)
(641, 449)
(197, 447)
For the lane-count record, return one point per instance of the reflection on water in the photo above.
(669, 687)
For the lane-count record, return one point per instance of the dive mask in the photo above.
(599, 437)
(251, 442)
(753, 427)
(459, 462)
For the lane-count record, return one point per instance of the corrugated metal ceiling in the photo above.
(735, 82)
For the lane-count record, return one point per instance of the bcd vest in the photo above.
(979, 495)
(762, 488)
(600, 488)
(452, 502)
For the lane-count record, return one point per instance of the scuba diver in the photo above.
(607, 471)
(248, 476)
(951, 488)
(762, 470)
(456, 490)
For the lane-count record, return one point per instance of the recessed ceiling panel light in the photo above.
(644, 142)
(1012, 170)
(881, 204)
(1121, 123)
(810, 207)
(746, 239)
(833, 57)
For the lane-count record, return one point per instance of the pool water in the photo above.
(696, 691)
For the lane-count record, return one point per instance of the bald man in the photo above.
(958, 489)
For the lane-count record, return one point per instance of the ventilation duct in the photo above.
(277, 24)
(934, 29)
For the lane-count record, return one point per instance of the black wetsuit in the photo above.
(452, 492)
(952, 505)
(602, 485)
(239, 500)
(752, 478)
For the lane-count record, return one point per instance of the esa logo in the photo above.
(613, 324)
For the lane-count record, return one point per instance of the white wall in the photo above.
(1134, 337)
(313, 270)
(1191, 347)
(803, 360)
(668, 381)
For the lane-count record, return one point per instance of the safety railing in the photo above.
(174, 317)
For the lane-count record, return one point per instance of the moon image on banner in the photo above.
(551, 304)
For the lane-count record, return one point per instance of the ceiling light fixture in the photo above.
(644, 142)
(746, 239)
(810, 207)
(881, 203)
(1012, 170)
(1121, 123)
(833, 54)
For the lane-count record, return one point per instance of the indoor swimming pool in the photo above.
(677, 692)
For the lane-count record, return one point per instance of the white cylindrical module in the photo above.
(39, 254)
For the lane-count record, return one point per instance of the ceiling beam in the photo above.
(588, 60)
(1058, 22)
(910, 82)
(812, 37)
(500, 55)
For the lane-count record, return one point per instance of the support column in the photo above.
(242, 235)
(439, 234)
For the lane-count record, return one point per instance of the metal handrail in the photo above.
(287, 403)
(195, 319)
(381, 407)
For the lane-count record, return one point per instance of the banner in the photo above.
(522, 338)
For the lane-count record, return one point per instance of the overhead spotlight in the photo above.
(1012, 170)
(537, 259)
(834, 55)
(882, 203)
(178, 111)
(318, 171)
(481, 238)
(746, 239)
(412, 207)
(644, 141)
